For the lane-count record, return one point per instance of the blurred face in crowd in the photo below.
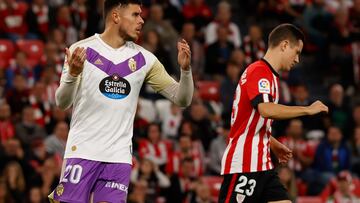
(156, 13)
(188, 31)
(187, 168)
(62, 130)
(12, 146)
(301, 93)
(21, 59)
(334, 135)
(356, 115)
(255, 33)
(337, 94)
(38, 90)
(224, 12)
(152, 38)
(238, 56)
(233, 71)
(35, 195)
(5, 111)
(146, 167)
(185, 144)
(154, 133)
(222, 33)
(295, 128)
(19, 82)
(28, 115)
(198, 111)
(203, 191)
(186, 129)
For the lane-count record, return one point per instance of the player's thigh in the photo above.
(112, 185)
(77, 179)
(274, 190)
(241, 188)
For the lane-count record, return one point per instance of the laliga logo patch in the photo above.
(115, 87)
(264, 86)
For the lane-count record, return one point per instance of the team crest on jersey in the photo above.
(60, 190)
(240, 198)
(132, 64)
(115, 87)
(264, 86)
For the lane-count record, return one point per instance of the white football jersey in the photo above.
(106, 99)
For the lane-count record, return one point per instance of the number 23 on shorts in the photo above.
(244, 187)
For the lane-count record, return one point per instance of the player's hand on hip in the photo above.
(283, 153)
(317, 107)
(184, 54)
(76, 60)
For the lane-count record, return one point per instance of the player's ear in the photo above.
(115, 15)
(284, 44)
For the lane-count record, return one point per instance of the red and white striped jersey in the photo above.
(249, 139)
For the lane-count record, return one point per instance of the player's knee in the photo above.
(282, 201)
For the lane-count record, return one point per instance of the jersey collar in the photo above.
(271, 68)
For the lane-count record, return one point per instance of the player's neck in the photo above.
(112, 39)
(273, 60)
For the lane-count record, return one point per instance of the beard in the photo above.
(123, 34)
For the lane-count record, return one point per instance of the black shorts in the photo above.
(256, 187)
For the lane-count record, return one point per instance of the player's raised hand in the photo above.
(184, 54)
(76, 60)
(317, 107)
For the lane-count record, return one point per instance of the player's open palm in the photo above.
(184, 54)
(76, 60)
(317, 107)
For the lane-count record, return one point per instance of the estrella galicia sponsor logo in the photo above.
(115, 87)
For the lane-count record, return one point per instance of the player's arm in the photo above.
(70, 78)
(282, 152)
(180, 92)
(279, 111)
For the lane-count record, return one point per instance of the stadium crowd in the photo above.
(177, 152)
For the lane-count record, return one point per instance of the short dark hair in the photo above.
(110, 4)
(283, 32)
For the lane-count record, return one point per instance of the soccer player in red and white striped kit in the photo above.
(248, 172)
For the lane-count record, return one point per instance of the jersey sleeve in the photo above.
(158, 78)
(259, 86)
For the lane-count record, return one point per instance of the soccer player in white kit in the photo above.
(101, 79)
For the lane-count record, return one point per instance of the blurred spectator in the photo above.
(202, 193)
(156, 180)
(40, 105)
(303, 152)
(52, 59)
(167, 33)
(228, 87)
(50, 79)
(332, 155)
(140, 125)
(223, 18)
(137, 193)
(339, 108)
(293, 10)
(287, 178)
(39, 18)
(182, 185)
(218, 53)
(7, 129)
(55, 143)
(199, 116)
(253, 45)
(198, 12)
(18, 97)
(317, 21)
(13, 19)
(197, 50)
(14, 178)
(152, 43)
(5, 196)
(65, 23)
(35, 196)
(171, 122)
(344, 192)
(58, 37)
(171, 13)
(187, 150)
(79, 17)
(96, 18)
(57, 115)
(354, 145)
(21, 67)
(155, 148)
(28, 130)
(217, 148)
